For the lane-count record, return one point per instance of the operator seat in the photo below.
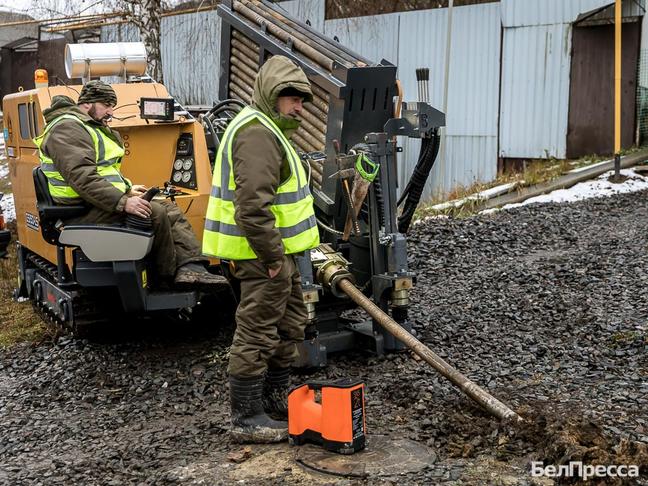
(107, 255)
(100, 243)
(49, 213)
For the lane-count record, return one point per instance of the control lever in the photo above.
(137, 222)
(150, 194)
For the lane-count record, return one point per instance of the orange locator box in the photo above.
(328, 413)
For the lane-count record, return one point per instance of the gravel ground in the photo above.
(544, 306)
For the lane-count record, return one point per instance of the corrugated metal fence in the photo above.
(190, 59)
(190, 54)
(523, 114)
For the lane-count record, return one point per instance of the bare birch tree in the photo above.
(147, 16)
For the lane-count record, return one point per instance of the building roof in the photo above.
(23, 44)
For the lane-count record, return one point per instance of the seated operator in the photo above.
(81, 157)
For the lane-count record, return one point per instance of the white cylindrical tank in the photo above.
(108, 59)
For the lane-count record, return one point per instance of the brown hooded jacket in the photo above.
(259, 161)
(71, 148)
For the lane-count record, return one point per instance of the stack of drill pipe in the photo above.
(239, 94)
(315, 126)
(316, 135)
(306, 142)
(312, 38)
(311, 135)
(319, 106)
(244, 65)
(253, 48)
(283, 29)
(315, 49)
(248, 53)
(316, 173)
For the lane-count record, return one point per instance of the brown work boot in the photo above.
(195, 274)
(249, 421)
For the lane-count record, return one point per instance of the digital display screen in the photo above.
(154, 108)
(157, 108)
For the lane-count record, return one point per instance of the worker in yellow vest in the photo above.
(81, 158)
(260, 215)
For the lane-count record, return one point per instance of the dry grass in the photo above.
(18, 322)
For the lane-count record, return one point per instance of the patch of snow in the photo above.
(482, 195)
(490, 211)
(585, 167)
(599, 187)
(8, 208)
(7, 201)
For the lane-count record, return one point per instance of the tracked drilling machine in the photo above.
(81, 275)
(347, 139)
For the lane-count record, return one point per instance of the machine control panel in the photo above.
(184, 165)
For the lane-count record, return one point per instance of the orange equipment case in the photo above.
(337, 423)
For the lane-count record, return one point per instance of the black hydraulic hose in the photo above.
(212, 130)
(221, 104)
(412, 193)
(426, 146)
(419, 177)
(207, 117)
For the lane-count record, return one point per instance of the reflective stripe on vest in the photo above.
(292, 205)
(108, 155)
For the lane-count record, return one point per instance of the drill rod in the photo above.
(489, 402)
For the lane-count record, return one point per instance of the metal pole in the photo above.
(446, 78)
(617, 89)
(489, 402)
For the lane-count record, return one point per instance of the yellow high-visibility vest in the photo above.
(292, 205)
(108, 156)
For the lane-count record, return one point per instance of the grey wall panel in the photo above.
(190, 56)
(530, 119)
(469, 153)
(120, 33)
(535, 91)
(375, 38)
(190, 45)
(312, 11)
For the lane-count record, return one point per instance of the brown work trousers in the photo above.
(174, 244)
(270, 319)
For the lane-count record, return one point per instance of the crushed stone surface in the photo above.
(545, 306)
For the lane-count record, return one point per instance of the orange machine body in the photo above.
(337, 422)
